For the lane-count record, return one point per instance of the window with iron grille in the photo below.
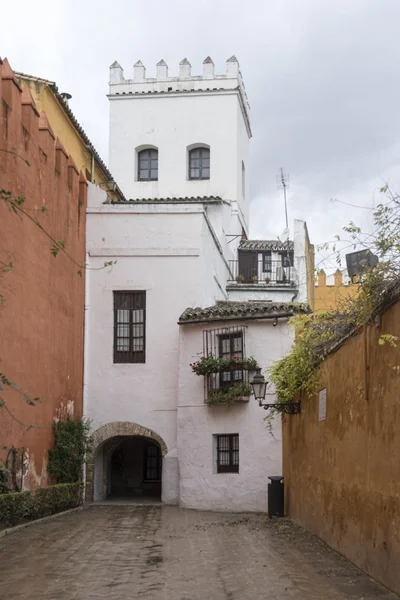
(228, 453)
(287, 258)
(267, 262)
(152, 463)
(231, 345)
(199, 163)
(129, 327)
(148, 165)
(224, 342)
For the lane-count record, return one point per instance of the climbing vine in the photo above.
(318, 334)
(71, 443)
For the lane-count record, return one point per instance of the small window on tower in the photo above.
(148, 165)
(199, 163)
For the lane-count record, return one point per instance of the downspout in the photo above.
(295, 295)
(85, 357)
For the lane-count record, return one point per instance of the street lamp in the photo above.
(259, 386)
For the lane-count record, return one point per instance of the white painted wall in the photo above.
(209, 111)
(169, 251)
(260, 454)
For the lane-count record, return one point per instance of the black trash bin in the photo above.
(276, 497)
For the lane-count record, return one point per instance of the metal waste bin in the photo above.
(276, 497)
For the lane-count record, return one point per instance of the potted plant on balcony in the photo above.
(207, 365)
(239, 278)
(229, 395)
(255, 279)
(267, 280)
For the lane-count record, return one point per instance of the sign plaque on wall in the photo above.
(322, 405)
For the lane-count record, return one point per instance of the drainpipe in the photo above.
(295, 295)
(85, 360)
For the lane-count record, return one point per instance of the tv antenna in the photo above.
(283, 182)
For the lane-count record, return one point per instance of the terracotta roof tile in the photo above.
(275, 245)
(225, 311)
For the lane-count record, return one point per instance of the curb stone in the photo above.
(11, 530)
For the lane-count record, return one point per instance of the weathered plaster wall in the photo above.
(63, 129)
(41, 319)
(342, 474)
(260, 452)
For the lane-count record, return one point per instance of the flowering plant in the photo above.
(211, 364)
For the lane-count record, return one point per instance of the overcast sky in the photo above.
(322, 79)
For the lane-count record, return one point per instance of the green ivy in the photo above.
(4, 487)
(229, 394)
(71, 443)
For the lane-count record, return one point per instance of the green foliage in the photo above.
(317, 335)
(71, 443)
(4, 487)
(229, 394)
(211, 364)
(25, 506)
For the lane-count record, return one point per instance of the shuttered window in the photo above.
(129, 327)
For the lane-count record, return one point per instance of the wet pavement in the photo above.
(121, 552)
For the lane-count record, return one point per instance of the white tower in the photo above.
(156, 123)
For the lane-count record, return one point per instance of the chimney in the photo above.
(116, 73)
(139, 71)
(162, 70)
(66, 97)
(184, 68)
(232, 67)
(208, 68)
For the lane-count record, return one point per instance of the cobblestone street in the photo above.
(153, 552)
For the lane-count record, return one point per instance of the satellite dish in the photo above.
(359, 262)
(285, 235)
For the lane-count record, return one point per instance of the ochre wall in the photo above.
(41, 318)
(342, 475)
(332, 297)
(46, 101)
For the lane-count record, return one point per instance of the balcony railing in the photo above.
(261, 271)
(227, 387)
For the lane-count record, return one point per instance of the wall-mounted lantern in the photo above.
(259, 386)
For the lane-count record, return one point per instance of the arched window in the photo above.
(148, 165)
(199, 163)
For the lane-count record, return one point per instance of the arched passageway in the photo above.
(135, 467)
(125, 461)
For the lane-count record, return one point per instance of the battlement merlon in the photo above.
(184, 82)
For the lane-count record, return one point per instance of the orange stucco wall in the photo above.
(332, 297)
(342, 474)
(42, 315)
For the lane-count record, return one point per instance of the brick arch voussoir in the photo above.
(112, 430)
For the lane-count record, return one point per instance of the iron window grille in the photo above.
(152, 463)
(267, 262)
(199, 163)
(228, 453)
(224, 342)
(287, 258)
(148, 165)
(129, 327)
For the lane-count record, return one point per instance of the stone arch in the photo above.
(117, 429)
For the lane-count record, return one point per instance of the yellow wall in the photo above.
(63, 128)
(330, 297)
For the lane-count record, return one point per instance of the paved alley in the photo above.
(120, 552)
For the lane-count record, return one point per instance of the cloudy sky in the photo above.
(321, 75)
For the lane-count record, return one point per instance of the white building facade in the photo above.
(179, 151)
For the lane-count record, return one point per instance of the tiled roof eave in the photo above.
(252, 317)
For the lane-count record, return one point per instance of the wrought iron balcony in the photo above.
(263, 272)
